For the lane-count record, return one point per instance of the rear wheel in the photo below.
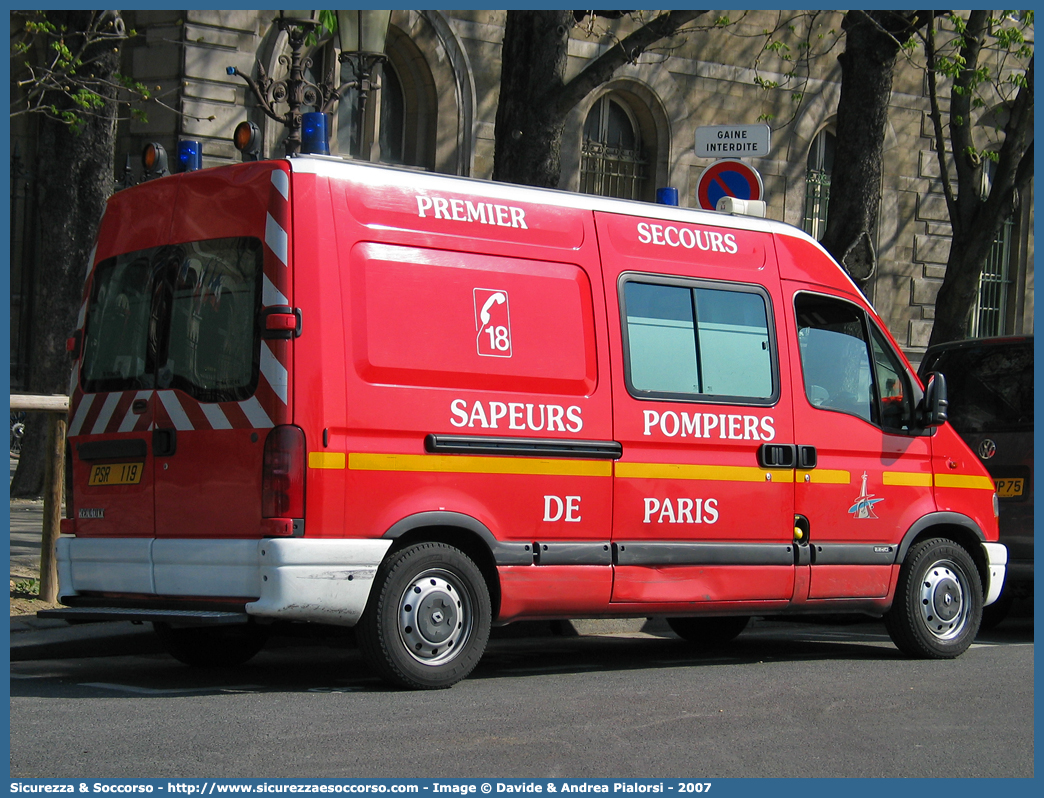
(710, 631)
(212, 646)
(938, 601)
(427, 622)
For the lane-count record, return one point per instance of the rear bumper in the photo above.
(296, 579)
(996, 563)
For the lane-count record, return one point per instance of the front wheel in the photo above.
(938, 601)
(427, 622)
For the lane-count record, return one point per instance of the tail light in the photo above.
(283, 474)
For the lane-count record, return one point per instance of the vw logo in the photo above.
(987, 449)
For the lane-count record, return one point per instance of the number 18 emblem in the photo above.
(492, 322)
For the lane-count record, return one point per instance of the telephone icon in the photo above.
(497, 298)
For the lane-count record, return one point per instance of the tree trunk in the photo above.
(534, 97)
(75, 177)
(975, 220)
(960, 287)
(528, 133)
(872, 40)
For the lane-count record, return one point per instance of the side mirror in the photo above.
(935, 406)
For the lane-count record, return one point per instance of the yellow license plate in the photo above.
(117, 474)
(1009, 488)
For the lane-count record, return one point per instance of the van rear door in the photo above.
(112, 403)
(200, 386)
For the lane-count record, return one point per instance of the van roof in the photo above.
(336, 167)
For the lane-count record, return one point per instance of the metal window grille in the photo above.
(817, 183)
(612, 171)
(817, 199)
(612, 163)
(991, 306)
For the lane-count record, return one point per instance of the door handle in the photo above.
(777, 455)
(806, 457)
(139, 406)
(786, 455)
(164, 442)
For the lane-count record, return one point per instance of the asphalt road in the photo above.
(785, 700)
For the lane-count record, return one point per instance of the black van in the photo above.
(990, 387)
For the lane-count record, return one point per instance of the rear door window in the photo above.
(116, 354)
(181, 317)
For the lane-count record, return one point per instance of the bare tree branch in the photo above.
(623, 52)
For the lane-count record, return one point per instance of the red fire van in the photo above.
(316, 391)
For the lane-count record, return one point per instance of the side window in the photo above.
(848, 366)
(697, 341)
(835, 357)
(893, 389)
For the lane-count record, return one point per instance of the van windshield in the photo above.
(990, 387)
(181, 316)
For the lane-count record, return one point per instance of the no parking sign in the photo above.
(728, 178)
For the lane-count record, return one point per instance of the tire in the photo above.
(212, 646)
(427, 621)
(710, 631)
(938, 601)
(997, 611)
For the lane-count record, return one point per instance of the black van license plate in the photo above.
(118, 474)
(1009, 488)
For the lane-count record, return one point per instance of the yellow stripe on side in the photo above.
(907, 479)
(824, 476)
(326, 459)
(963, 481)
(462, 464)
(701, 472)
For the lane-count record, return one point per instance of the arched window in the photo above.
(400, 117)
(385, 119)
(415, 115)
(612, 161)
(817, 184)
(392, 133)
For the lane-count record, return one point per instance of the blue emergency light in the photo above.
(190, 156)
(667, 195)
(315, 133)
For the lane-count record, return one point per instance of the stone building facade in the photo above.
(437, 105)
